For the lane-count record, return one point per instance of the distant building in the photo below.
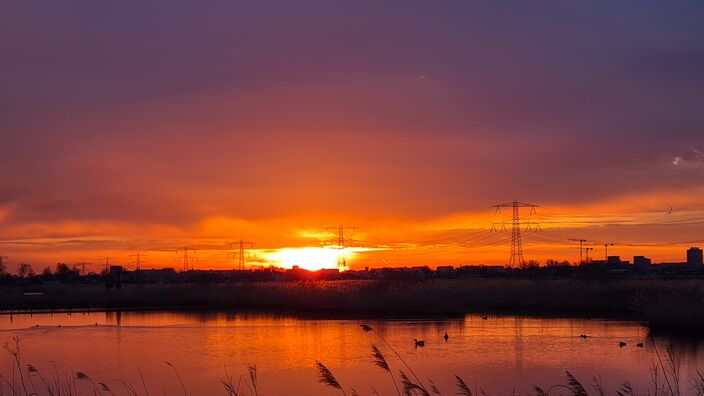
(694, 256)
(115, 269)
(118, 274)
(444, 269)
(329, 273)
(613, 260)
(641, 261)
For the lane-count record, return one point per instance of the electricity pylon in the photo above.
(107, 263)
(187, 260)
(82, 264)
(241, 259)
(3, 265)
(138, 260)
(516, 244)
(341, 261)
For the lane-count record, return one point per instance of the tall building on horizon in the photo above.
(641, 261)
(694, 256)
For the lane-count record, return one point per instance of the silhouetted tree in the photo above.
(555, 263)
(63, 272)
(62, 269)
(531, 264)
(24, 270)
(47, 272)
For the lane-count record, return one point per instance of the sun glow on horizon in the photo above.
(310, 258)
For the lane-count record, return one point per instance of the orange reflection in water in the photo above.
(498, 354)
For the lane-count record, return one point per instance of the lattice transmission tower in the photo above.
(3, 265)
(516, 243)
(240, 252)
(187, 258)
(341, 241)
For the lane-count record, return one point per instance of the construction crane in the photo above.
(586, 251)
(581, 241)
(606, 251)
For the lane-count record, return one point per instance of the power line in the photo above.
(545, 238)
(486, 239)
(465, 233)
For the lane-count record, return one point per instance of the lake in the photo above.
(498, 354)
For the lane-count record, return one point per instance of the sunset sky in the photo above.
(147, 126)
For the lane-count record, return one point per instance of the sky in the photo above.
(148, 126)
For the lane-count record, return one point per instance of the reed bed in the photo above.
(664, 304)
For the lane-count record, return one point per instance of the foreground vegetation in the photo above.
(27, 380)
(673, 305)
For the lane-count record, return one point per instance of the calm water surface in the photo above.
(499, 354)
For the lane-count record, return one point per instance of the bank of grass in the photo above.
(666, 304)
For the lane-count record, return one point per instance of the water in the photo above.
(499, 354)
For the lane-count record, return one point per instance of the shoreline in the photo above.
(325, 315)
(673, 305)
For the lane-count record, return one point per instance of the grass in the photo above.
(27, 380)
(671, 305)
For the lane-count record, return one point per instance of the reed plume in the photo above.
(627, 390)
(326, 377)
(33, 370)
(15, 353)
(380, 360)
(462, 387)
(183, 387)
(539, 391)
(81, 376)
(252, 370)
(366, 328)
(409, 386)
(575, 386)
(434, 388)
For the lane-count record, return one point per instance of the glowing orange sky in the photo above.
(131, 127)
(463, 238)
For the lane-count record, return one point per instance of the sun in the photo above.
(310, 258)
